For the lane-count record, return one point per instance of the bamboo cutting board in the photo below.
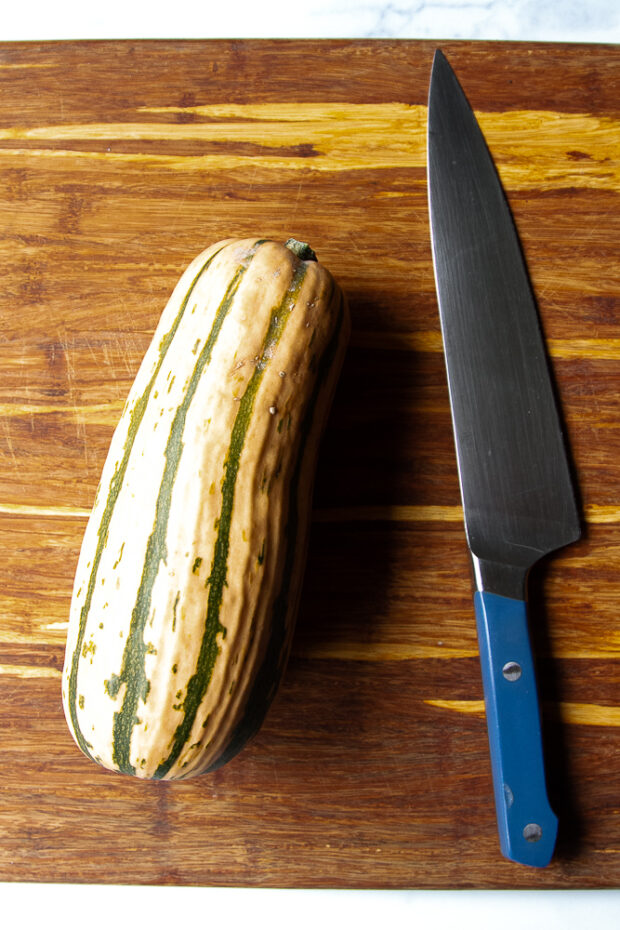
(119, 162)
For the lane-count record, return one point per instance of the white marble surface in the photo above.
(538, 20)
(534, 20)
(99, 907)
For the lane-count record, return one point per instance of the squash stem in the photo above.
(301, 249)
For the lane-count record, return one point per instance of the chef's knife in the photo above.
(514, 475)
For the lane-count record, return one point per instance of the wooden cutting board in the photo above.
(119, 162)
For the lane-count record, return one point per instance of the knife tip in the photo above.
(440, 68)
(439, 60)
(443, 80)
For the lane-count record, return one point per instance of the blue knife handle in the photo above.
(527, 825)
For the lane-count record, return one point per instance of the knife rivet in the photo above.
(532, 832)
(511, 671)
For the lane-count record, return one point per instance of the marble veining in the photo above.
(595, 21)
(598, 20)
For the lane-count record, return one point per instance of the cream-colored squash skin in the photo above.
(188, 580)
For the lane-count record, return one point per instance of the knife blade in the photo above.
(515, 478)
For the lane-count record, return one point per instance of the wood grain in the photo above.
(119, 162)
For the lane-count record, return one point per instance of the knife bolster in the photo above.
(499, 578)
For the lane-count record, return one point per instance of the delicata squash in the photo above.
(190, 571)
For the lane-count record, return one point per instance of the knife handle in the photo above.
(527, 825)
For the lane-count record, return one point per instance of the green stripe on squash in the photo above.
(269, 673)
(135, 419)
